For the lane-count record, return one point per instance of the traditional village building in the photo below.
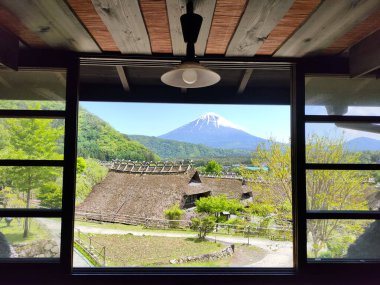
(145, 190)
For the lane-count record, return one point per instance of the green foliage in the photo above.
(93, 173)
(97, 139)
(203, 225)
(260, 209)
(172, 214)
(171, 149)
(217, 204)
(50, 195)
(213, 167)
(81, 165)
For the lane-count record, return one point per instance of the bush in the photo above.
(203, 225)
(173, 214)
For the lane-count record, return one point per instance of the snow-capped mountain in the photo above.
(215, 131)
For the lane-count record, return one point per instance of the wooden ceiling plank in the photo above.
(296, 15)
(364, 57)
(157, 24)
(94, 24)
(259, 19)
(11, 23)
(226, 18)
(123, 77)
(54, 23)
(126, 25)
(359, 32)
(331, 20)
(176, 8)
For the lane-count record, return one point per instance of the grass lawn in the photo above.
(129, 250)
(14, 233)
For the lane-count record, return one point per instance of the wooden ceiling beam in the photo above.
(176, 8)
(126, 25)
(244, 80)
(11, 23)
(157, 24)
(259, 19)
(359, 32)
(54, 22)
(123, 77)
(331, 20)
(9, 50)
(365, 56)
(94, 24)
(293, 19)
(226, 18)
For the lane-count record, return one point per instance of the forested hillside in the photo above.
(96, 138)
(181, 150)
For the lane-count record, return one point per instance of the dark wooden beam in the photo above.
(244, 80)
(123, 77)
(9, 49)
(365, 56)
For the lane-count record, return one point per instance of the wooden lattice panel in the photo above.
(157, 24)
(226, 18)
(88, 16)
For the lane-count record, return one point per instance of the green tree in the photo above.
(50, 195)
(31, 139)
(203, 225)
(213, 167)
(174, 214)
(217, 204)
(326, 189)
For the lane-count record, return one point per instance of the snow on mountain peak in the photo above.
(216, 120)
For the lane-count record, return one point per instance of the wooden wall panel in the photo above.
(331, 20)
(157, 24)
(125, 23)
(176, 8)
(258, 20)
(87, 14)
(54, 22)
(11, 23)
(359, 32)
(226, 18)
(296, 15)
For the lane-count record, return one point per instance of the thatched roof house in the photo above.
(147, 194)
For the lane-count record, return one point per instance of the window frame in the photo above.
(61, 271)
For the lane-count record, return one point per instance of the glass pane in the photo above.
(343, 239)
(343, 190)
(31, 187)
(342, 96)
(138, 207)
(30, 237)
(342, 143)
(26, 139)
(30, 90)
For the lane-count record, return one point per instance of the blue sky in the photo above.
(156, 119)
(264, 121)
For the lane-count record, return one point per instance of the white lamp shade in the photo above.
(190, 75)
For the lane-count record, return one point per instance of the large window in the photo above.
(342, 168)
(32, 162)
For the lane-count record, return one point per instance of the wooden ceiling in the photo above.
(243, 28)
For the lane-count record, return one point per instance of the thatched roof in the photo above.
(148, 195)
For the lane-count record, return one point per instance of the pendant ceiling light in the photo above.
(190, 73)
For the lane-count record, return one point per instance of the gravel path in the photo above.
(54, 228)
